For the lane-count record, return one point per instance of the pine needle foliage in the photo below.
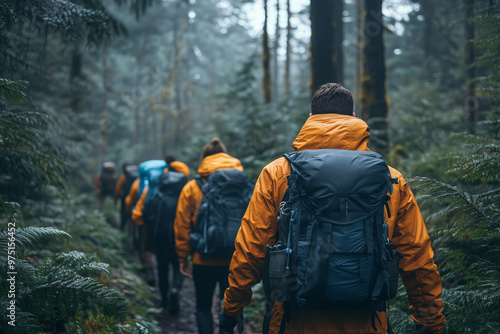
(487, 41)
(75, 20)
(12, 91)
(462, 207)
(31, 159)
(466, 217)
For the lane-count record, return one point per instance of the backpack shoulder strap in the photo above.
(199, 182)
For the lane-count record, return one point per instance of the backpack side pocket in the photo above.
(277, 280)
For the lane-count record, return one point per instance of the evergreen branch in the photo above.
(8, 209)
(13, 91)
(30, 158)
(490, 195)
(456, 201)
(100, 24)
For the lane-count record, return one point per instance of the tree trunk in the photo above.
(266, 79)
(288, 48)
(374, 99)
(338, 9)
(428, 12)
(470, 71)
(213, 75)
(74, 78)
(275, 51)
(104, 114)
(324, 47)
(360, 40)
(166, 93)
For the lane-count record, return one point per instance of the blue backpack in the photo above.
(149, 175)
(333, 250)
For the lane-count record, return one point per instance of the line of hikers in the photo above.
(327, 228)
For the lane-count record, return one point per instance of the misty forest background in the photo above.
(88, 81)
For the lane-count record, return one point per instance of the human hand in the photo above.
(227, 323)
(185, 269)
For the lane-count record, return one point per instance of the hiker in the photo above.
(158, 215)
(149, 174)
(207, 270)
(105, 182)
(130, 202)
(331, 125)
(123, 186)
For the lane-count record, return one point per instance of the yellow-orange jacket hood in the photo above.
(333, 131)
(217, 161)
(179, 167)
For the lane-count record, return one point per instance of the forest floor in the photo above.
(185, 321)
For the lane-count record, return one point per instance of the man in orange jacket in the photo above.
(332, 125)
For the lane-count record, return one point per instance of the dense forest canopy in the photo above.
(83, 82)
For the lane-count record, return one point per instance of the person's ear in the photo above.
(310, 114)
(353, 114)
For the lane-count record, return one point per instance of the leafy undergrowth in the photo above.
(75, 271)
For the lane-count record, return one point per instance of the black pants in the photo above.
(205, 278)
(166, 257)
(123, 214)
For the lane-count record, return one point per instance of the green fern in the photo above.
(64, 299)
(469, 211)
(57, 291)
(466, 218)
(28, 236)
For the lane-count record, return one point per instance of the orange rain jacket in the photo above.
(119, 186)
(187, 209)
(132, 196)
(139, 206)
(406, 230)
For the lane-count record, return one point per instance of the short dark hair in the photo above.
(170, 158)
(332, 98)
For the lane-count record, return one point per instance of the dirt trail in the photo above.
(185, 321)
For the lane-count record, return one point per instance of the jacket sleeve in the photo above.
(187, 207)
(131, 198)
(137, 212)
(258, 228)
(418, 271)
(119, 186)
